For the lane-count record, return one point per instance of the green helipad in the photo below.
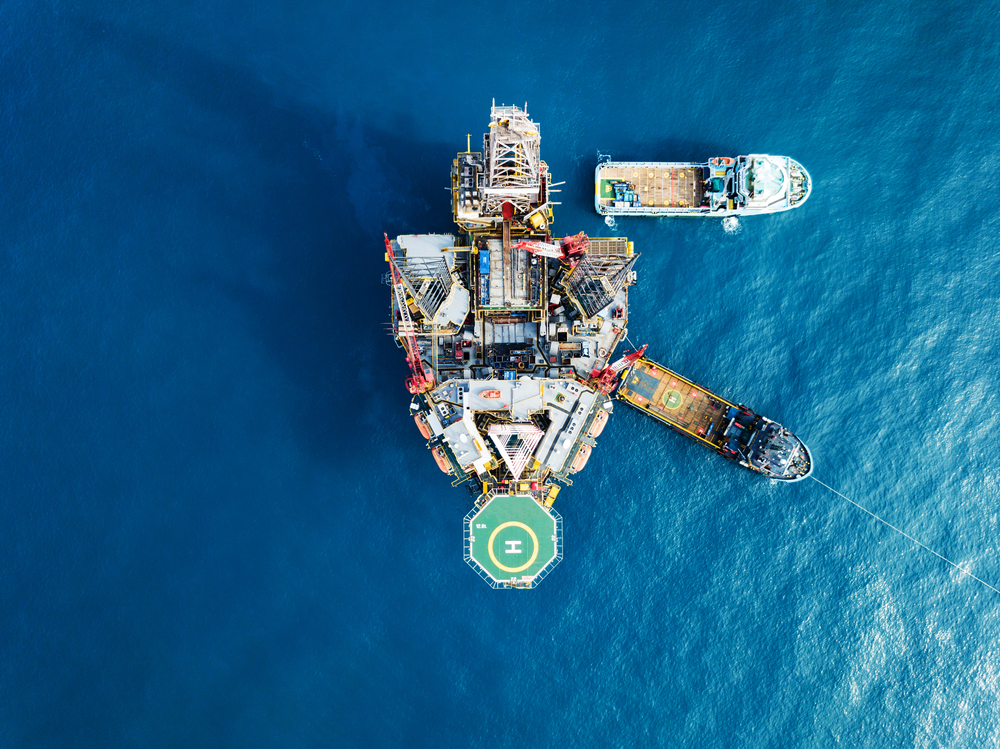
(672, 399)
(513, 541)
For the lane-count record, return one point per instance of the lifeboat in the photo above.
(439, 458)
(422, 425)
(722, 161)
(599, 423)
(581, 459)
(491, 394)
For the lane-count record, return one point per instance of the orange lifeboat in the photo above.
(722, 161)
(439, 458)
(491, 394)
(581, 459)
(599, 423)
(422, 425)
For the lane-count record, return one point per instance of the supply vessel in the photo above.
(733, 431)
(509, 332)
(722, 186)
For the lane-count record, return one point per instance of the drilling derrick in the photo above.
(514, 166)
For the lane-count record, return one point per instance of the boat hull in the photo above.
(718, 188)
(735, 432)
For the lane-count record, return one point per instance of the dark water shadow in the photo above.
(325, 187)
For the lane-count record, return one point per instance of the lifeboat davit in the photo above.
(422, 425)
(491, 394)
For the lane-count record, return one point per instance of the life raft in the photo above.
(581, 459)
(422, 425)
(439, 458)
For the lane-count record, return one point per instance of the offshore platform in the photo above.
(509, 334)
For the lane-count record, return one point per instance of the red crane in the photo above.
(606, 379)
(574, 248)
(421, 381)
(569, 249)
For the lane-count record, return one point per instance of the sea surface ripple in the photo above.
(218, 526)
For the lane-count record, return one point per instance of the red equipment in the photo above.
(569, 250)
(421, 381)
(574, 248)
(544, 249)
(606, 379)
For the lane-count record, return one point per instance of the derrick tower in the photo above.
(513, 161)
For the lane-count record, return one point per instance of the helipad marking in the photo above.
(672, 400)
(534, 540)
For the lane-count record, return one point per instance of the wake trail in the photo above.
(907, 535)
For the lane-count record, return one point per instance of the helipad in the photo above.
(512, 541)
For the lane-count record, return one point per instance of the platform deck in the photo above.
(513, 538)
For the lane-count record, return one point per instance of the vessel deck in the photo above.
(658, 185)
(669, 397)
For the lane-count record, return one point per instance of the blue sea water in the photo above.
(218, 526)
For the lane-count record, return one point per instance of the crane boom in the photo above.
(544, 249)
(568, 249)
(421, 381)
(619, 365)
(606, 379)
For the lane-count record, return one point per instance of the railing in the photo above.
(559, 549)
(467, 549)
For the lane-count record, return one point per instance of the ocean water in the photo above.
(218, 526)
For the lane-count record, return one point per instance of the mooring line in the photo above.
(907, 535)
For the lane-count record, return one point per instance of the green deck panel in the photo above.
(607, 190)
(643, 383)
(513, 519)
